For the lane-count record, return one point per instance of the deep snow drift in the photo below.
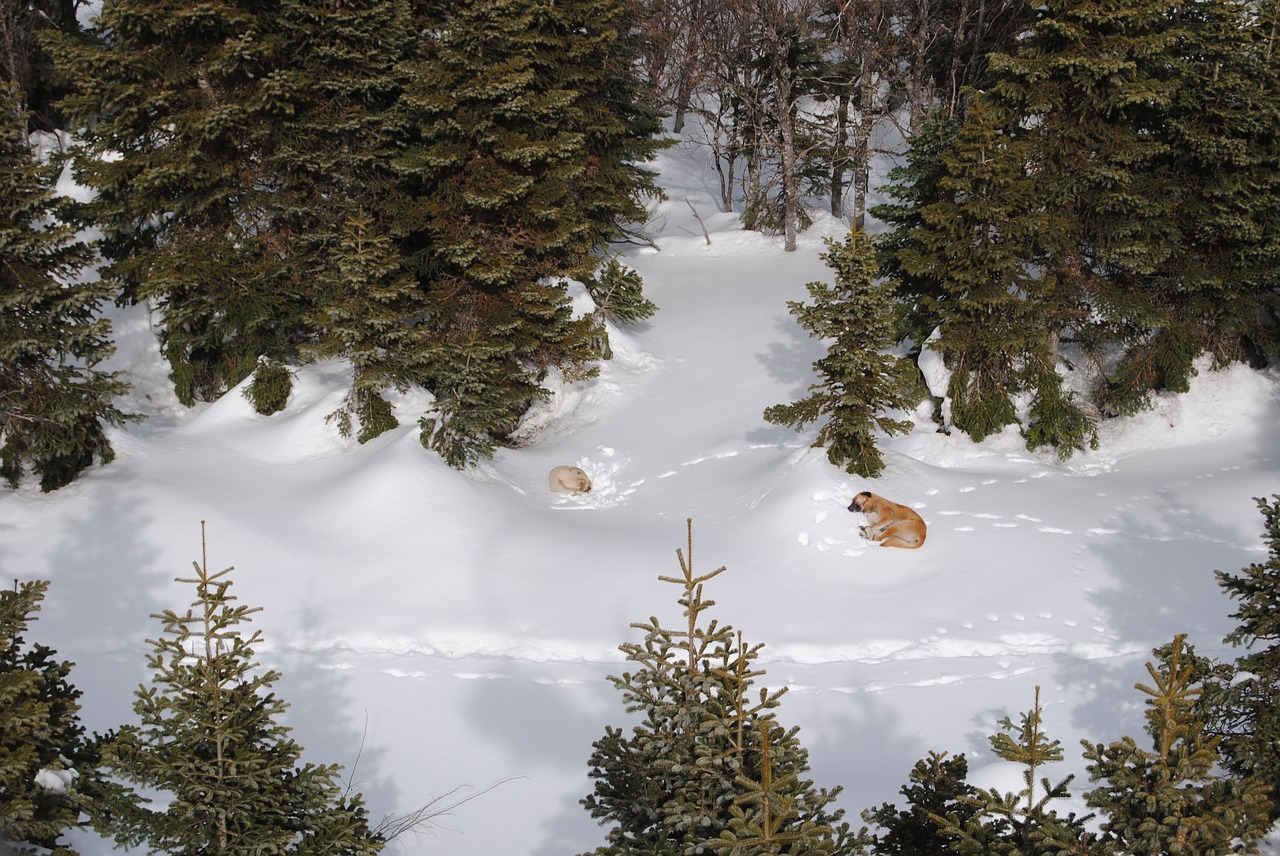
(439, 629)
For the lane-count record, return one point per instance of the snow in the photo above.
(441, 630)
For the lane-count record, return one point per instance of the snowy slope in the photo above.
(442, 630)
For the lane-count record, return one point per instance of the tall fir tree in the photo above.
(524, 125)
(709, 768)
(174, 135)
(46, 765)
(363, 318)
(333, 99)
(1220, 290)
(861, 383)
(1091, 85)
(979, 243)
(211, 740)
(1247, 700)
(55, 403)
(1171, 798)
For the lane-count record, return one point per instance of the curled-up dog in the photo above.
(569, 480)
(891, 524)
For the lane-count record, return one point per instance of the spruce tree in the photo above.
(1171, 798)
(981, 246)
(1220, 289)
(709, 768)
(523, 123)
(1090, 88)
(210, 739)
(1248, 699)
(860, 382)
(174, 134)
(333, 98)
(1023, 823)
(937, 791)
(54, 401)
(363, 318)
(46, 766)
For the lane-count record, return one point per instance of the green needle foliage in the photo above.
(54, 402)
(937, 796)
(708, 769)
(1248, 700)
(1023, 823)
(211, 742)
(860, 383)
(1171, 799)
(46, 767)
(618, 294)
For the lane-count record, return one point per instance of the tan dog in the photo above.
(891, 524)
(569, 480)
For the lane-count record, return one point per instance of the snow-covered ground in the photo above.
(440, 630)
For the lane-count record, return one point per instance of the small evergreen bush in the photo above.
(270, 387)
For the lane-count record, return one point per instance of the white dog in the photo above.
(569, 480)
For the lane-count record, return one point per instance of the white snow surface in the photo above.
(442, 630)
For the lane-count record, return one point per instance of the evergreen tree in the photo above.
(46, 766)
(1091, 86)
(333, 98)
(1023, 823)
(1170, 799)
(860, 382)
(1220, 290)
(54, 401)
(938, 789)
(175, 134)
(976, 255)
(523, 124)
(1248, 699)
(914, 185)
(709, 768)
(210, 739)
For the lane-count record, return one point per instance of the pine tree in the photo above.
(938, 789)
(211, 740)
(46, 766)
(1220, 288)
(860, 382)
(174, 142)
(334, 99)
(1091, 85)
(1170, 799)
(704, 748)
(1023, 823)
(54, 401)
(523, 126)
(1249, 697)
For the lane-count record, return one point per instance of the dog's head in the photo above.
(860, 500)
